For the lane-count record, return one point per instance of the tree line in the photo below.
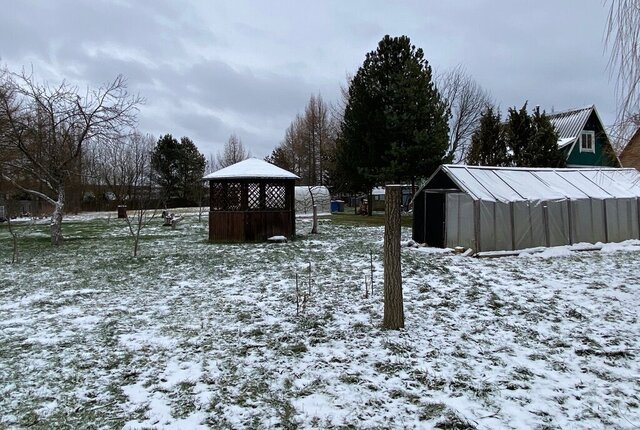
(63, 146)
(398, 121)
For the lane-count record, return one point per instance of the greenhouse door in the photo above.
(434, 219)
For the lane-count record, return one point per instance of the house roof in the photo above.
(506, 184)
(630, 155)
(570, 123)
(251, 168)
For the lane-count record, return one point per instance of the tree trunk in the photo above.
(314, 228)
(393, 304)
(56, 219)
(370, 211)
(14, 241)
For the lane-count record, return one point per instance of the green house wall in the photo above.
(601, 156)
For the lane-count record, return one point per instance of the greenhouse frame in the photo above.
(493, 208)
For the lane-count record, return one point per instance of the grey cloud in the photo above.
(208, 69)
(245, 91)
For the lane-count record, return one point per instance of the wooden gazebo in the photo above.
(251, 201)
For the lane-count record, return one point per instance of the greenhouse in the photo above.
(492, 208)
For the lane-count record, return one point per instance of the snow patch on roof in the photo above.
(251, 168)
(562, 142)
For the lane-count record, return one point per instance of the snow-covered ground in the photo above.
(199, 335)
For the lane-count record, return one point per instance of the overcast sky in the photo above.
(211, 68)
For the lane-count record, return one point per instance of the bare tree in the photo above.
(232, 153)
(14, 241)
(16, 232)
(319, 138)
(623, 37)
(119, 163)
(309, 143)
(466, 100)
(203, 189)
(49, 128)
(141, 186)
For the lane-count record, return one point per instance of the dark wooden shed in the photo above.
(251, 201)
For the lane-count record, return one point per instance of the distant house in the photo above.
(582, 137)
(630, 156)
(378, 194)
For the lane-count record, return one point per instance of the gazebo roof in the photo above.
(251, 168)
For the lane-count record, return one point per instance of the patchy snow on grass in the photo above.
(197, 335)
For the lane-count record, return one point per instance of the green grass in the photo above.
(377, 219)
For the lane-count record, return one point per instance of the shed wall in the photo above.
(587, 221)
(557, 216)
(460, 229)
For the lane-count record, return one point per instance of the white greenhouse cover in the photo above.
(251, 168)
(508, 184)
(321, 198)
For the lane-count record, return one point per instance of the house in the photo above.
(582, 137)
(630, 155)
(511, 208)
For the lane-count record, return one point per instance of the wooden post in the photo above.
(393, 304)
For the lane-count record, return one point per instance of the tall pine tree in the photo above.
(518, 134)
(394, 127)
(544, 140)
(178, 167)
(488, 145)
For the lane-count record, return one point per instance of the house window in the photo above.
(587, 141)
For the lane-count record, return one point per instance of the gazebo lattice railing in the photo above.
(248, 195)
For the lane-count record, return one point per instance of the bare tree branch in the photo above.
(622, 36)
(466, 100)
(232, 153)
(46, 129)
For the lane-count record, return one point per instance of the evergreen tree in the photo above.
(395, 122)
(518, 134)
(545, 142)
(488, 145)
(179, 167)
(191, 170)
(523, 140)
(532, 139)
(281, 157)
(164, 161)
